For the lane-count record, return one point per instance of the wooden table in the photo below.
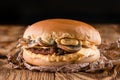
(8, 39)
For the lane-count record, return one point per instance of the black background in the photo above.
(30, 11)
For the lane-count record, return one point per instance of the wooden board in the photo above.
(109, 32)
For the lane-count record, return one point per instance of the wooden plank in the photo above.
(7, 74)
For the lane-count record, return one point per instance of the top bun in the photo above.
(53, 29)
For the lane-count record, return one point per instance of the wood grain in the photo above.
(11, 74)
(8, 73)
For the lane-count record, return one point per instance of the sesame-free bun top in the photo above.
(53, 29)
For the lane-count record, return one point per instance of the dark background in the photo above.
(30, 11)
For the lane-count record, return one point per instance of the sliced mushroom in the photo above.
(70, 48)
(32, 44)
(22, 42)
(43, 43)
(69, 41)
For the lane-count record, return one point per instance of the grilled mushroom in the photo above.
(70, 48)
(43, 43)
(69, 45)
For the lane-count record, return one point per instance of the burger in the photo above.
(63, 45)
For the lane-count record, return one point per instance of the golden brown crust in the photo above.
(54, 29)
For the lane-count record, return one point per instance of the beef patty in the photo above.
(48, 50)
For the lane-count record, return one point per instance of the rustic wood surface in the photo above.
(9, 35)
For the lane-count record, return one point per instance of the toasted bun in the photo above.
(83, 56)
(53, 29)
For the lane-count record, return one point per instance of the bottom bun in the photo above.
(83, 56)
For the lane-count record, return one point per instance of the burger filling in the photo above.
(61, 47)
